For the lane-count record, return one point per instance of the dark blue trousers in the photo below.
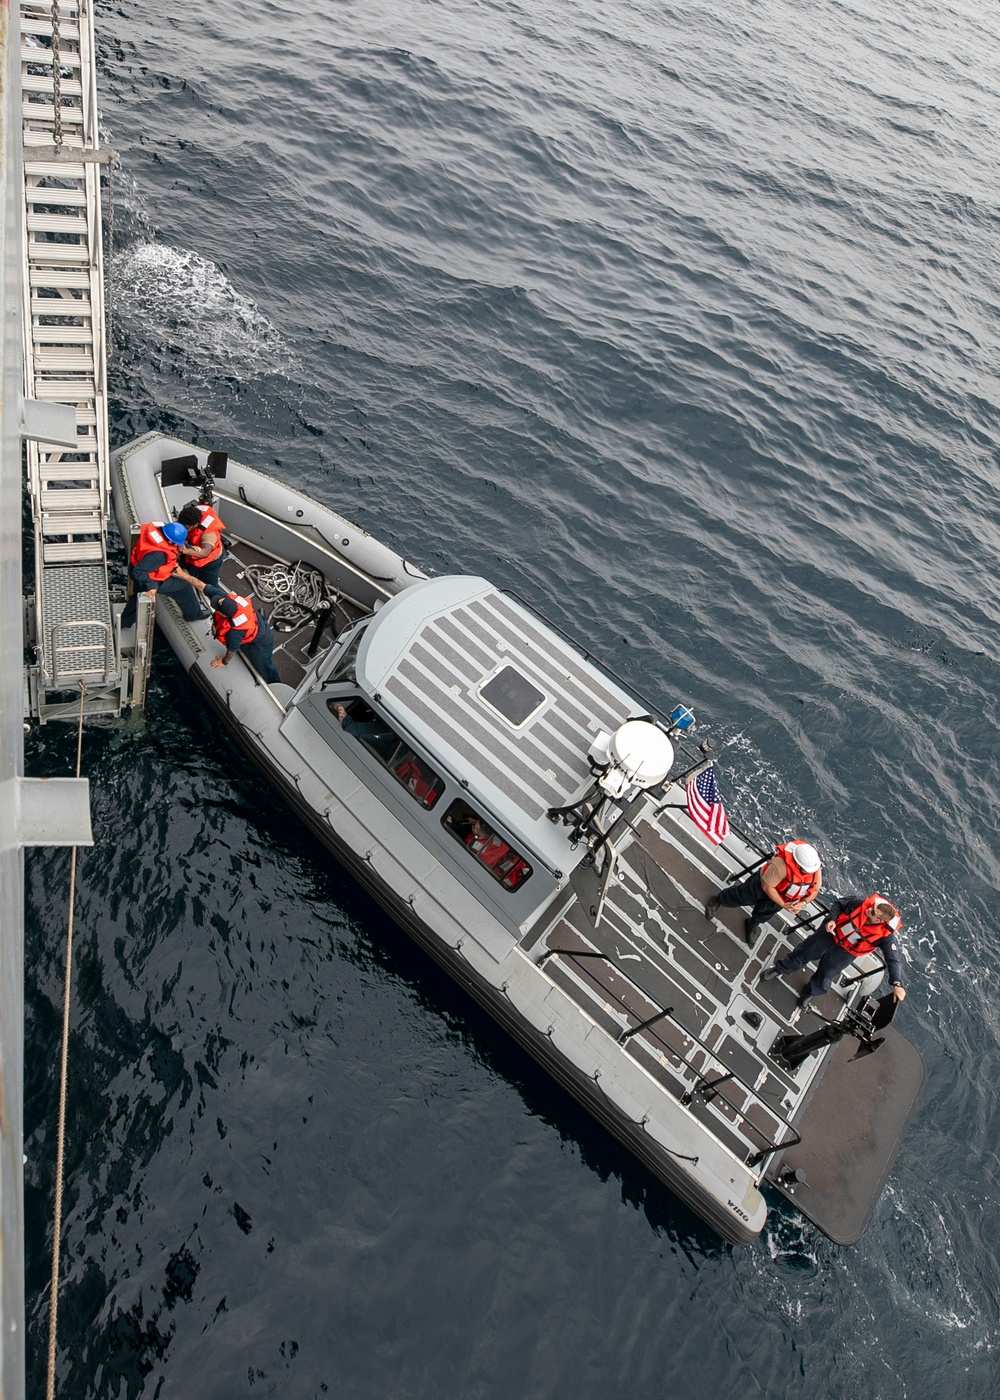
(260, 652)
(750, 891)
(832, 961)
(176, 588)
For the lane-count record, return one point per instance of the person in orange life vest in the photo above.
(410, 772)
(204, 550)
(483, 841)
(494, 851)
(240, 627)
(856, 925)
(153, 568)
(789, 880)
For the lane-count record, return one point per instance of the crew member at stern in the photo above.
(857, 925)
(240, 627)
(204, 549)
(789, 880)
(153, 568)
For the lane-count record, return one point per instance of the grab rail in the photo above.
(705, 1088)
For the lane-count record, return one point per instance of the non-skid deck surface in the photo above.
(661, 952)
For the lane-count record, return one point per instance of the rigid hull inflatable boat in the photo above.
(522, 815)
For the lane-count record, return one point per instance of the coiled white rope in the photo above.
(297, 591)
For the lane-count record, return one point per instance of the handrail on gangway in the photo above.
(57, 675)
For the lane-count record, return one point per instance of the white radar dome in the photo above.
(642, 754)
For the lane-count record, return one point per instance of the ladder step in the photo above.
(63, 281)
(70, 307)
(75, 391)
(69, 471)
(68, 527)
(72, 115)
(58, 252)
(63, 360)
(42, 82)
(63, 501)
(72, 552)
(43, 28)
(54, 169)
(58, 223)
(52, 194)
(61, 335)
(36, 54)
(32, 7)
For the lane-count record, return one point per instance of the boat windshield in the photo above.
(487, 846)
(394, 753)
(344, 668)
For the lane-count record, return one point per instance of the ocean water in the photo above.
(683, 320)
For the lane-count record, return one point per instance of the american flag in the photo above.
(705, 806)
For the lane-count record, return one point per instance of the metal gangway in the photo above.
(71, 623)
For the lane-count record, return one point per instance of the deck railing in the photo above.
(705, 1089)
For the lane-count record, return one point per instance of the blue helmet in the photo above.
(175, 532)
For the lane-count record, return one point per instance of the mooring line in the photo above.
(50, 1383)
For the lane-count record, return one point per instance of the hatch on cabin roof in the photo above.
(493, 693)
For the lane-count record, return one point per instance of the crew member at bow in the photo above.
(857, 925)
(154, 568)
(789, 880)
(241, 628)
(204, 549)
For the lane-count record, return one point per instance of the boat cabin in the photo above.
(473, 718)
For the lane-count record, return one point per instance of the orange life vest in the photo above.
(244, 618)
(410, 772)
(152, 539)
(209, 522)
(857, 937)
(797, 884)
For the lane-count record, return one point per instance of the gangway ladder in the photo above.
(71, 623)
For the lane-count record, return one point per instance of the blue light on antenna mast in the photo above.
(682, 717)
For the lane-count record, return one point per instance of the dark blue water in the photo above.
(684, 321)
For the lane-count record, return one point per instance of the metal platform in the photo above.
(77, 637)
(846, 1154)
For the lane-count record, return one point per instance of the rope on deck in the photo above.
(50, 1382)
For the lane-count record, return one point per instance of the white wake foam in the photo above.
(182, 304)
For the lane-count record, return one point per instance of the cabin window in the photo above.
(344, 669)
(394, 753)
(485, 845)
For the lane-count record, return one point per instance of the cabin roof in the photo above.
(496, 696)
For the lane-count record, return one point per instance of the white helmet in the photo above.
(806, 856)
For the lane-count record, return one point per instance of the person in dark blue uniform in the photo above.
(241, 628)
(374, 731)
(154, 568)
(856, 925)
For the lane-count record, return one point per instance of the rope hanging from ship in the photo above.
(50, 1380)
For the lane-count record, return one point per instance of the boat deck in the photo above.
(291, 643)
(681, 991)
